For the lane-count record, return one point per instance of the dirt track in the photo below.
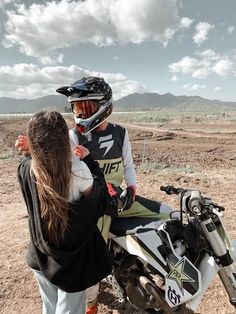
(186, 155)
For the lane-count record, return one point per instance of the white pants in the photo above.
(57, 301)
(91, 295)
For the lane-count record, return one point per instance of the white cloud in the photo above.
(192, 66)
(41, 28)
(47, 60)
(185, 65)
(31, 81)
(230, 29)
(194, 87)
(185, 22)
(223, 68)
(207, 62)
(209, 54)
(115, 58)
(174, 78)
(202, 30)
(4, 2)
(218, 88)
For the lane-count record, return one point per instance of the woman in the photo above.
(66, 251)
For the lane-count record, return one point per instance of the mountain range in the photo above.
(132, 102)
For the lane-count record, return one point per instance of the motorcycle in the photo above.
(167, 266)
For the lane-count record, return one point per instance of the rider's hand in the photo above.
(22, 144)
(128, 196)
(81, 151)
(113, 192)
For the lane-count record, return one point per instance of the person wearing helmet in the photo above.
(108, 143)
(91, 103)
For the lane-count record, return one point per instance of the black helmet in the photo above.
(90, 88)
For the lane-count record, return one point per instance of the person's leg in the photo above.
(92, 299)
(70, 303)
(48, 293)
(143, 207)
(103, 224)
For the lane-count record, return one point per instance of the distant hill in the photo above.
(154, 101)
(132, 102)
(11, 105)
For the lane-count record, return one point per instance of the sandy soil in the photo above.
(184, 154)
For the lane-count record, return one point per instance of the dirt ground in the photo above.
(182, 153)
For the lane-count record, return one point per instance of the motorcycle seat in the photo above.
(130, 225)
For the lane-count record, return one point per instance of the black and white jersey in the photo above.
(111, 148)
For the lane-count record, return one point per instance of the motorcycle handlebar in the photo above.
(192, 200)
(170, 189)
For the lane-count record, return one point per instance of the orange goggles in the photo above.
(84, 107)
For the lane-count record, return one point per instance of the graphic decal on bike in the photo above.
(173, 296)
(178, 274)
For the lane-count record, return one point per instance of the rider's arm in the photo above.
(129, 170)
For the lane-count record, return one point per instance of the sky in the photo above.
(183, 47)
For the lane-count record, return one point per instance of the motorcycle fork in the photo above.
(222, 257)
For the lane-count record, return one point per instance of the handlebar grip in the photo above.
(162, 188)
(170, 189)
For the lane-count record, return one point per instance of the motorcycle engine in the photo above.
(136, 294)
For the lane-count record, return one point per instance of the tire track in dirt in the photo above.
(221, 135)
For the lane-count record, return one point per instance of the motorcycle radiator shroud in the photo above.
(153, 246)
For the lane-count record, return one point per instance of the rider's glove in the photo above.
(128, 197)
(113, 192)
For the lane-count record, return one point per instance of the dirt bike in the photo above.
(167, 266)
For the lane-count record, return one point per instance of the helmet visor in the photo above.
(85, 108)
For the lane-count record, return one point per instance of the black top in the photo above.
(82, 259)
(105, 144)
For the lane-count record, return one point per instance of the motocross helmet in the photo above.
(89, 88)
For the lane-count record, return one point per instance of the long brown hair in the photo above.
(51, 164)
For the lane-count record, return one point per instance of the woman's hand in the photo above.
(81, 151)
(22, 144)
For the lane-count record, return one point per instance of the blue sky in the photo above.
(185, 47)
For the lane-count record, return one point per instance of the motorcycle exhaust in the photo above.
(157, 295)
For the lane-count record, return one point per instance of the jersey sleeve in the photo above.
(129, 170)
(73, 139)
(81, 179)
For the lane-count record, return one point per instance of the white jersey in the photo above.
(81, 179)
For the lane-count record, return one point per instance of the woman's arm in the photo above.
(22, 144)
(88, 191)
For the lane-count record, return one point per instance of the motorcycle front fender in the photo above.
(209, 270)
